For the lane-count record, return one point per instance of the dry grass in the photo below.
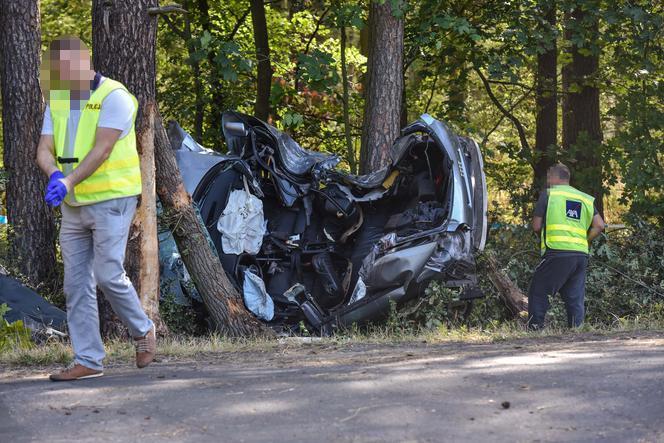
(182, 347)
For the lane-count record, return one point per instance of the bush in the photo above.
(13, 335)
(180, 319)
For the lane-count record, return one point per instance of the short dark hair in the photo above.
(561, 170)
(67, 42)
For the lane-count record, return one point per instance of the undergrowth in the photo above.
(625, 282)
(184, 347)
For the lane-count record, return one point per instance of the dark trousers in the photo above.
(564, 273)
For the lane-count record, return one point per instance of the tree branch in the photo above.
(502, 117)
(173, 27)
(306, 48)
(525, 147)
(433, 91)
(313, 35)
(167, 9)
(238, 24)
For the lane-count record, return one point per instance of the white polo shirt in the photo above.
(117, 110)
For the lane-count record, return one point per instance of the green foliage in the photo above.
(180, 319)
(228, 60)
(625, 282)
(13, 335)
(635, 37)
(316, 70)
(445, 42)
(65, 17)
(350, 15)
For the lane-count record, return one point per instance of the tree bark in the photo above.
(403, 115)
(350, 148)
(32, 233)
(198, 78)
(295, 6)
(582, 132)
(124, 39)
(515, 301)
(457, 85)
(264, 68)
(220, 297)
(382, 111)
(546, 101)
(217, 100)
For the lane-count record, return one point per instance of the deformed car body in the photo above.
(337, 249)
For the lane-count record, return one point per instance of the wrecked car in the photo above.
(306, 242)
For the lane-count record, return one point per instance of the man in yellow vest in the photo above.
(567, 221)
(88, 150)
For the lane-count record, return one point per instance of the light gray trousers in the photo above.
(93, 239)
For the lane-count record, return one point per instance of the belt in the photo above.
(63, 160)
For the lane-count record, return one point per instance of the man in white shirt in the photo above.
(88, 149)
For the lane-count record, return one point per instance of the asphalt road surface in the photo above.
(591, 389)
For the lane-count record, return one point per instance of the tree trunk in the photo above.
(199, 116)
(546, 120)
(220, 297)
(32, 233)
(350, 148)
(295, 6)
(403, 115)
(382, 111)
(582, 132)
(124, 39)
(217, 100)
(515, 301)
(457, 86)
(264, 77)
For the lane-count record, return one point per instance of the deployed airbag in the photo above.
(256, 297)
(242, 224)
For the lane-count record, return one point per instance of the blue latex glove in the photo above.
(57, 175)
(56, 189)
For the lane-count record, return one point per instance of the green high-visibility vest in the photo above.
(120, 175)
(569, 214)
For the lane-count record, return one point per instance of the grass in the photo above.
(184, 347)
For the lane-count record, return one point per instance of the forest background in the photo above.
(534, 82)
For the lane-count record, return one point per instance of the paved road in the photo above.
(596, 389)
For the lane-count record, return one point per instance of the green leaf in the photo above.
(206, 38)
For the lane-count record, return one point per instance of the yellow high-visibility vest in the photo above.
(569, 214)
(120, 175)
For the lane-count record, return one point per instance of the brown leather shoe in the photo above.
(146, 348)
(75, 372)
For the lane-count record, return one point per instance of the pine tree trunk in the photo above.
(264, 74)
(582, 132)
(546, 120)
(32, 233)
(382, 111)
(131, 25)
(124, 41)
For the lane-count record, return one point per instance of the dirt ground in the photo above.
(590, 389)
